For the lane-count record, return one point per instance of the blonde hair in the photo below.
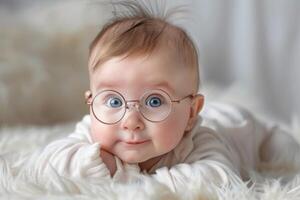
(138, 32)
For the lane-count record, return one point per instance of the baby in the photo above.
(144, 118)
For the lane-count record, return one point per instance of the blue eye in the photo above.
(114, 102)
(153, 102)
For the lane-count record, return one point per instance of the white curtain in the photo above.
(251, 48)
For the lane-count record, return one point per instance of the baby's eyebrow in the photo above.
(164, 85)
(108, 84)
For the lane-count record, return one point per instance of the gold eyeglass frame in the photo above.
(89, 99)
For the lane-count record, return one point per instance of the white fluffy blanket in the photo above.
(16, 142)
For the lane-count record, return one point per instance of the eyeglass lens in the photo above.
(110, 106)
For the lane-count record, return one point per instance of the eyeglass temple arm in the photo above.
(192, 96)
(88, 97)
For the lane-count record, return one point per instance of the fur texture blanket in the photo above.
(19, 143)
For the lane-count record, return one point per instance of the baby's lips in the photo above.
(136, 142)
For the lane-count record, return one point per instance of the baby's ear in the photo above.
(197, 105)
(88, 96)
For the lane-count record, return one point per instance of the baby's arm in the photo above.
(74, 156)
(210, 163)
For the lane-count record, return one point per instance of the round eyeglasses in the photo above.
(109, 106)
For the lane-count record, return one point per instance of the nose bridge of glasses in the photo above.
(133, 104)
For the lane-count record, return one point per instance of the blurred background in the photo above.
(249, 54)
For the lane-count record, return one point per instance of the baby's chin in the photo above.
(144, 163)
(132, 159)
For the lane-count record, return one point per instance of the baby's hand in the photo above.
(109, 161)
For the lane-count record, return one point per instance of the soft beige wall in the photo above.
(43, 61)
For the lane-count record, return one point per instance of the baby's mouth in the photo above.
(136, 142)
(133, 138)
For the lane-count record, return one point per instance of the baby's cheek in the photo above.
(103, 134)
(171, 132)
(178, 121)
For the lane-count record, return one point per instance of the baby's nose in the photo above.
(133, 120)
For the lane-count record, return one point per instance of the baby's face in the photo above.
(135, 139)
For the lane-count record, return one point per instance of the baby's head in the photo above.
(143, 88)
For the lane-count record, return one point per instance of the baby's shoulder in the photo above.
(218, 118)
(224, 123)
(225, 113)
